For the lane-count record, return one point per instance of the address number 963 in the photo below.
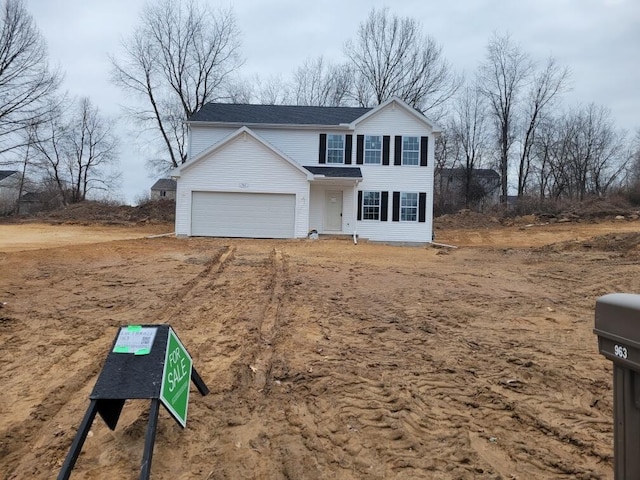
(620, 351)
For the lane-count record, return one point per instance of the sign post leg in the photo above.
(195, 378)
(77, 443)
(150, 439)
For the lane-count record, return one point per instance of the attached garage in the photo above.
(233, 214)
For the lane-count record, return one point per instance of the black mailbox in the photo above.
(617, 325)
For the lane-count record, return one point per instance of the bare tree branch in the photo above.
(391, 57)
(503, 74)
(178, 59)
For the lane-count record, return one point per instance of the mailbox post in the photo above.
(617, 325)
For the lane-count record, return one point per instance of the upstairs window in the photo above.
(408, 207)
(410, 151)
(373, 149)
(335, 148)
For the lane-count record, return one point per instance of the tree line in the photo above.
(508, 116)
(59, 144)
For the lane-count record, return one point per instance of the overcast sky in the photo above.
(599, 40)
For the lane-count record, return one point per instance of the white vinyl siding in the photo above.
(393, 120)
(202, 138)
(270, 175)
(243, 165)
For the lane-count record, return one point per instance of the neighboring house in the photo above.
(450, 185)
(270, 171)
(9, 190)
(164, 189)
(30, 203)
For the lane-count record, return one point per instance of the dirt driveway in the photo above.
(325, 360)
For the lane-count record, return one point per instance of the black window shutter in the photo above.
(422, 207)
(360, 149)
(359, 204)
(397, 159)
(347, 149)
(322, 158)
(396, 207)
(424, 150)
(384, 206)
(386, 140)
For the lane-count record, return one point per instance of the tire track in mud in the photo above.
(249, 295)
(269, 327)
(346, 403)
(526, 389)
(184, 297)
(43, 419)
(403, 414)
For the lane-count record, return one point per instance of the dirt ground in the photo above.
(325, 360)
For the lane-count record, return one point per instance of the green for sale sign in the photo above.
(176, 379)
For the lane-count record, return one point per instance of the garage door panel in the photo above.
(257, 215)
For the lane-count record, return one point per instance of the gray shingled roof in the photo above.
(164, 184)
(336, 172)
(7, 173)
(477, 172)
(276, 114)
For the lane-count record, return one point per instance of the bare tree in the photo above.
(240, 90)
(391, 56)
(545, 86)
(323, 84)
(580, 154)
(26, 82)
(501, 78)
(177, 60)
(634, 166)
(76, 150)
(272, 91)
(470, 130)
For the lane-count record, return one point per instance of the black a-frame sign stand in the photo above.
(145, 362)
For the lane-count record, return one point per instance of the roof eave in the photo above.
(298, 126)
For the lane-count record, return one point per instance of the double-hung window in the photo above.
(373, 149)
(408, 207)
(335, 148)
(410, 151)
(370, 205)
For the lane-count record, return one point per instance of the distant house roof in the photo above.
(165, 184)
(30, 197)
(277, 114)
(487, 173)
(7, 173)
(336, 172)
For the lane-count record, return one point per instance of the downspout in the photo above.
(355, 212)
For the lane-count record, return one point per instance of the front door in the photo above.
(333, 211)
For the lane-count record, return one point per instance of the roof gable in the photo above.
(7, 173)
(397, 102)
(241, 131)
(245, 114)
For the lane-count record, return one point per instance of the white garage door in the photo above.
(253, 215)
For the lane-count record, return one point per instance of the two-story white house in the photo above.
(273, 171)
